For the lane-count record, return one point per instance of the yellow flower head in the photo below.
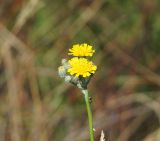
(81, 67)
(81, 50)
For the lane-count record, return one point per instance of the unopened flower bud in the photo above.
(67, 66)
(64, 61)
(67, 78)
(75, 79)
(61, 71)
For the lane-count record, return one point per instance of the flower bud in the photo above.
(62, 71)
(64, 61)
(67, 78)
(75, 79)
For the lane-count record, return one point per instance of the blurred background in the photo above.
(36, 105)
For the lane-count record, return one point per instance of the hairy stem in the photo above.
(85, 92)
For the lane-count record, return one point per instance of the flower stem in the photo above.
(85, 92)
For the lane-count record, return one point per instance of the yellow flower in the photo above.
(81, 67)
(81, 50)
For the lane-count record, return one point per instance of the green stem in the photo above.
(85, 92)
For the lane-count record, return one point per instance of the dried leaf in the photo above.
(102, 138)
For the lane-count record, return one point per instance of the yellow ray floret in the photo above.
(81, 67)
(81, 50)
